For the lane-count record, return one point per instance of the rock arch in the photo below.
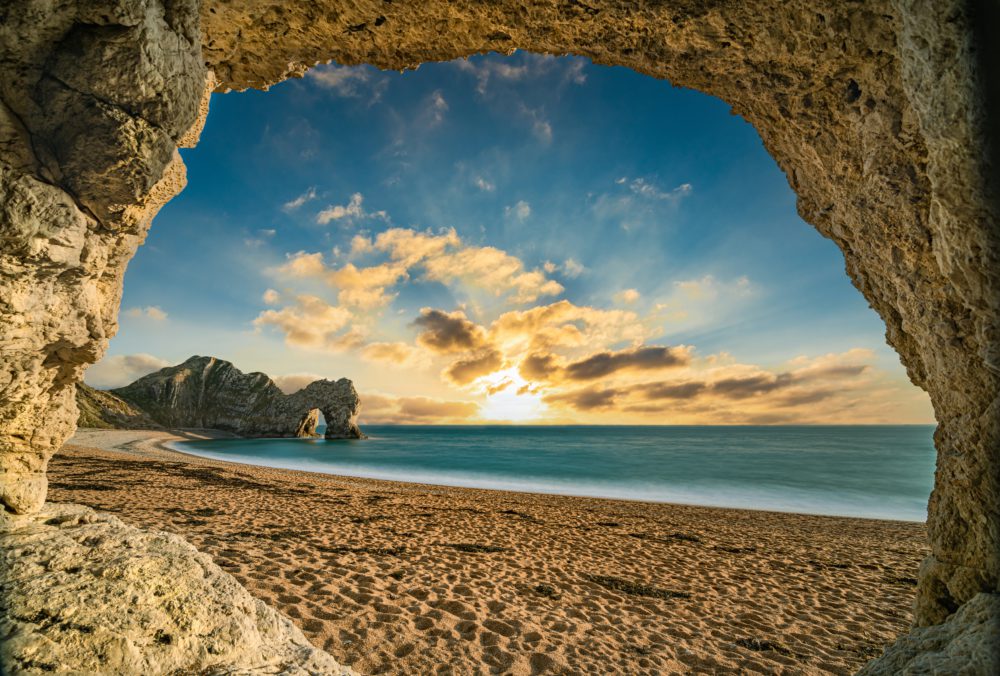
(205, 392)
(876, 112)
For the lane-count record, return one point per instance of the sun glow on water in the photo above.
(510, 398)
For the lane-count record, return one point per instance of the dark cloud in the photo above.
(586, 399)
(751, 386)
(464, 371)
(806, 397)
(688, 390)
(643, 358)
(833, 372)
(447, 332)
(539, 366)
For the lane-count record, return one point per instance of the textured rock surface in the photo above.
(100, 409)
(95, 98)
(83, 592)
(210, 393)
(967, 644)
(875, 111)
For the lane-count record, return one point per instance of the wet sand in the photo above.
(416, 579)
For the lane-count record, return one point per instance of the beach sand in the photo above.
(415, 579)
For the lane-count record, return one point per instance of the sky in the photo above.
(524, 238)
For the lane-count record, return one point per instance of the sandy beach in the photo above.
(416, 579)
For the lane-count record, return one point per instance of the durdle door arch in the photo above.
(876, 111)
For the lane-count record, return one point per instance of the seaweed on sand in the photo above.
(474, 548)
(763, 645)
(635, 588)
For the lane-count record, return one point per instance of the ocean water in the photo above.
(883, 472)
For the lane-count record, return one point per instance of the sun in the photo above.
(510, 398)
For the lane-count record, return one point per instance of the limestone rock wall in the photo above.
(875, 112)
(967, 644)
(95, 98)
(84, 593)
(205, 392)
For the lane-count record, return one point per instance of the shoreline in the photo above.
(394, 577)
(160, 443)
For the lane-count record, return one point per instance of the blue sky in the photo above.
(572, 182)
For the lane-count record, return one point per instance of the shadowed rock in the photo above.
(68, 575)
(205, 392)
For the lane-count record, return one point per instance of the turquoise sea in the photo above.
(883, 472)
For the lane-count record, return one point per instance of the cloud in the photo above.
(649, 190)
(271, 297)
(464, 371)
(444, 258)
(350, 82)
(587, 399)
(683, 390)
(434, 110)
(360, 245)
(411, 247)
(517, 69)
(337, 212)
(572, 268)
(446, 333)
(539, 366)
(312, 323)
(385, 409)
(484, 70)
(520, 211)
(293, 382)
(751, 386)
(564, 324)
(709, 288)
(120, 370)
(574, 72)
(292, 205)
(606, 363)
(302, 264)
(423, 408)
(628, 296)
(483, 184)
(153, 312)
(540, 127)
(365, 288)
(491, 269)
(544, 366)
(643, 203)
(730, 392)
(398, 354)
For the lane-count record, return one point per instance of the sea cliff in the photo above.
(211, 393)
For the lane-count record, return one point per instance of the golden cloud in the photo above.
(563, 324)
(379, 408)
(399, 354)
(313, 323)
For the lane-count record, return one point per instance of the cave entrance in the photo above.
(847, 98)
(332, 250)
